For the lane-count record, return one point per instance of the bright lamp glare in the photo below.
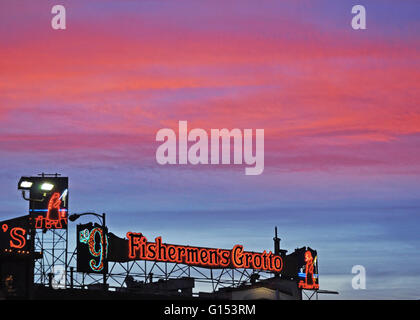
(26, 184)
(47, 186)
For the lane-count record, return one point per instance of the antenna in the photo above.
(276, 242)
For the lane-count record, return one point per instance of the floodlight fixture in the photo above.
(46, 186)
(25, 184)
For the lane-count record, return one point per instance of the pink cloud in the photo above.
(97, 84)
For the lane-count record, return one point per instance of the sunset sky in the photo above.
(340, 109)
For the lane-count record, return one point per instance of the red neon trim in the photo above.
(140, 249)
(17, 234)
(55, 216)
(101, 253)
(310, 281)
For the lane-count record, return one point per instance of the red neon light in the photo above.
(38, 222)
(101, 253)
(310, 281)
(18, 238)
(139, 248)
(5, 227)
(55, 215)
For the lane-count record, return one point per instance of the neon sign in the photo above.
(18, 240)
(101, 253)
(13, 235)
(84, 236)
(140, 249)
(17, 235)
(56, 216)
(50, 206)
(92, 249)
(310, 281)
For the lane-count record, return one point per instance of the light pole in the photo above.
(76, 216)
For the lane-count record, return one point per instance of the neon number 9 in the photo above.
(101, 253)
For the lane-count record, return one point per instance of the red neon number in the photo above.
(310, 282)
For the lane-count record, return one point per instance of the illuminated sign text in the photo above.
(139, 248)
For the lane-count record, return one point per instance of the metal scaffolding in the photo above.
(149, 271)
(51, 268)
